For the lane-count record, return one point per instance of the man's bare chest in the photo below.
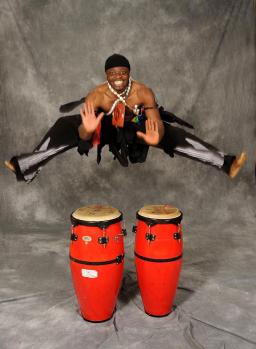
(131, 103)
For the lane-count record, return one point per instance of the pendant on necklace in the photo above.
(136, 110)
(118, 115)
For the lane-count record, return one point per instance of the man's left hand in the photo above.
(151, 137)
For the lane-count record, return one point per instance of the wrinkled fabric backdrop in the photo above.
(199, 59)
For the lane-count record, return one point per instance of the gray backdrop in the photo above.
(198, 57)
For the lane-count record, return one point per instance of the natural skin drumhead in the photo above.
(159, 211)
(96, 213)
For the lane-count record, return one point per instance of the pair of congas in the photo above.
(97, 258)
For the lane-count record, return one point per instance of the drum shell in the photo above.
(165, 246)
(158, 264)
(86, 242)
(97, 268)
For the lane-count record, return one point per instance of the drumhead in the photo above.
(159, 212)
(96, 213)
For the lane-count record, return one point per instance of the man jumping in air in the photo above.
(123, 114)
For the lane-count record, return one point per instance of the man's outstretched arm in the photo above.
(89, 120)
(154, 124)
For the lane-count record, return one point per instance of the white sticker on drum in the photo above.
(87, 273)
(86, 238)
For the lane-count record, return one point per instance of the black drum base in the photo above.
(97, 322)
(158, 315)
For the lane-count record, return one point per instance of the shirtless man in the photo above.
(102, 98)
(122, 113)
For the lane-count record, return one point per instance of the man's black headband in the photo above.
(117, 60)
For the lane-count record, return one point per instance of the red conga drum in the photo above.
(97, 260)
(158, 256)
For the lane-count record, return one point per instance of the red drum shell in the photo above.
(97, 296)
(97, 268)
(157, 288)
(164, 246)
(88, 246)
(158, 264)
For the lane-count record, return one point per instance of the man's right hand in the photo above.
(89, 120)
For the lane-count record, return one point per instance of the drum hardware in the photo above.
(177, 236)
(103, 225)
(123, 233)
(103, 240)
(119, 259)
(134, 229)
(150, 237)
(73, 237)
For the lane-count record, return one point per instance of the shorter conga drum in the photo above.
(97, 260)
(158, 256)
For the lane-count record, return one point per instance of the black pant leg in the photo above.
(178, 141)
(62, 136)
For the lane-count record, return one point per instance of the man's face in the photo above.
(118, 78)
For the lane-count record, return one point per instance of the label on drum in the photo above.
(87, 273)
(86, 238)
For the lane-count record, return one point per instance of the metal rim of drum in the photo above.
(154, 221)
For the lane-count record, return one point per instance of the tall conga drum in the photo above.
(97, 259)
(158, 256)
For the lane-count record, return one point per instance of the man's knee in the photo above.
(67, 123)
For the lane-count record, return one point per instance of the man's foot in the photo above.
(237, 164)
(10, 166)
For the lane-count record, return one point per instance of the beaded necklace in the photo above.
(121, 97)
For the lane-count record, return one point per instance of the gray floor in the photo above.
(215, 299)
